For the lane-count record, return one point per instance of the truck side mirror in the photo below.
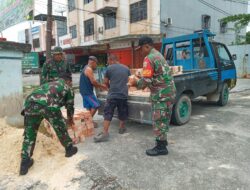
(234, 56)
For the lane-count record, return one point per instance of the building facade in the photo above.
(100, 27)
(36, 35)
(180, 17)
(110, 26)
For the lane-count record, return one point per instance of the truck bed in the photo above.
(139, 102)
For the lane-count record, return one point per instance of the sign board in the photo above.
(35, 30)
(65, 41)
(30, 60)
(13, 12)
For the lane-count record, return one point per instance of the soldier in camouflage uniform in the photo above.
(45, 102)
(53, 68)
(156, 75)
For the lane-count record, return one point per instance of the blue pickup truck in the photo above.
(208, 71)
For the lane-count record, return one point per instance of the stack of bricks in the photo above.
(134, 91)
(176, 70)
(83, 127)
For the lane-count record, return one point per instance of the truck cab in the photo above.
(208, 70)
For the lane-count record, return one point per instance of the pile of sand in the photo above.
(50, 163)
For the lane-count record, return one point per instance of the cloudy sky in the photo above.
(40, 7)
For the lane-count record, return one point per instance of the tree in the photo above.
(240, 21)
(248, 37)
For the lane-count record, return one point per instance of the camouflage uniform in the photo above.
(45, 102)
(52, 70)
(157, 76)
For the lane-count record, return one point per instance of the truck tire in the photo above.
(224, 95)
(182, 110)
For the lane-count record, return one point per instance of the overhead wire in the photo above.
(240, 2)
(150, 24)
(214, 7)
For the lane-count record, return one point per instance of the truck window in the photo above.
(223, 55)
(201, 57)
(168, 54)
(182, 54)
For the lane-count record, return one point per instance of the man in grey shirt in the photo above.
(116, 79)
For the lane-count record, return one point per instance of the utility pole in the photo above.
(49, 30)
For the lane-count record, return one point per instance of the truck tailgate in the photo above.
(139, 106)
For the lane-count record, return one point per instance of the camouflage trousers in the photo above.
(32, 123)
(161, 116)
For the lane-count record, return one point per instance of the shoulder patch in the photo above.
(147, 68)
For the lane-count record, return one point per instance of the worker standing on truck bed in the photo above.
(53, 68)
(156, 76)
(45, 102)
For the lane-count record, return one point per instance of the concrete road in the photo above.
(34, 79)
(210, 152)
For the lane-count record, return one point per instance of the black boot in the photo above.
(70, 151)
(159, 149)
(25, 165)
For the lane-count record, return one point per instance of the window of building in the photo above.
(71, 5)
(205, 21)
(72, 30)
(61, 28)
(89, 27)
(27, 36)
(138, 11)
(36, 43)
(87, 1)
(110, 20)
(223, 27)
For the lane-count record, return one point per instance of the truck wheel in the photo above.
(224, 95)
(182, 110)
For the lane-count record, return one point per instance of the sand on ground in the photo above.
(51, 167)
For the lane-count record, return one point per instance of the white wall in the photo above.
(123, 14)
(243, 61)
(186, 16)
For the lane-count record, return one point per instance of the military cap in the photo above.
(57, 50)
(145, 40)
(93, 58)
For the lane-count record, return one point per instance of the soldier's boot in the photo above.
(70, 150)
(159, 149)
(25, 165)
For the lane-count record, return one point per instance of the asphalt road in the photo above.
(210, 152)
(34, 79)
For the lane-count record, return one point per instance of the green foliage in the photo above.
(240, 21)
(30, 15)
(248, 37)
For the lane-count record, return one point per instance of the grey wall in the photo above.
(243, 59)
(11, 86)
(186, 16)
